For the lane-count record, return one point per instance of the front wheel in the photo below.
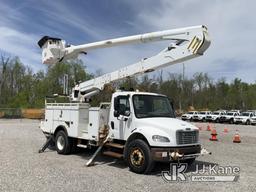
(138, 157)
(247, 122)
(62, 143)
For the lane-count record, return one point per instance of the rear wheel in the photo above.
(62, 143)
(138, 157)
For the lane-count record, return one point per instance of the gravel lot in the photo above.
(24, 169)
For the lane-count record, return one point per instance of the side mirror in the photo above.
(116, 113)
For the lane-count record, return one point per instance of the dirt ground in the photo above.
(24, 169)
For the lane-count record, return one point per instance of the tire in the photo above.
(247, 122)
(73, 145)
(231, 121)
(62, 143)
(138, 157)
(217, 120)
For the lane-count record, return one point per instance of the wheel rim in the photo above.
(137, 157)
(60, 142)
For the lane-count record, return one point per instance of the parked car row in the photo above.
(222, 116)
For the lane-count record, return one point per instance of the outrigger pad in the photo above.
(47, 143)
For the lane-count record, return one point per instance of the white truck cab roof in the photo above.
(136, 93)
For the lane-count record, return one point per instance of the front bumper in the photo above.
(163, 154)
(184, 118)
(197, 118)
(241, 121)
(238, 121)
(224, 119)
(253, 121)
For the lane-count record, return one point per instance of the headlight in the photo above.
(158, 138)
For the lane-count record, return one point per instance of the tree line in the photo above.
(20, 87)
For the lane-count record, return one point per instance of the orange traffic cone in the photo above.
(236, 138)
(214, 135)
(208, 128)
(225, 130)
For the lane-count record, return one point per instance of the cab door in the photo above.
(120, 120)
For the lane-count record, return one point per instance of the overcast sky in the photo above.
(231, 25)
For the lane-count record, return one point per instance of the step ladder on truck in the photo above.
(139, 127)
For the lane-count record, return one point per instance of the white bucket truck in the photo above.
(139, 127)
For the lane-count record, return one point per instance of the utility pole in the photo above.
(183, 72)
(182, 85)
(65, 84)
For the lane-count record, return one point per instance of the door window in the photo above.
(123, 104)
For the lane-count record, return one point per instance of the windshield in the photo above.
(152, 106)
(230, 113)
(202, 113)
(245, 114)
(216, 113)
(191, 113)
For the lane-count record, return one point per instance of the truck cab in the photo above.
(149, 114)
(150, 119)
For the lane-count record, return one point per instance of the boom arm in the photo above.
(187, 43)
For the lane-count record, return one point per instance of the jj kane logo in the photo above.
(203, 173)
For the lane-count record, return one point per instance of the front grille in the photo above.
(208, 117)
(186, 137)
